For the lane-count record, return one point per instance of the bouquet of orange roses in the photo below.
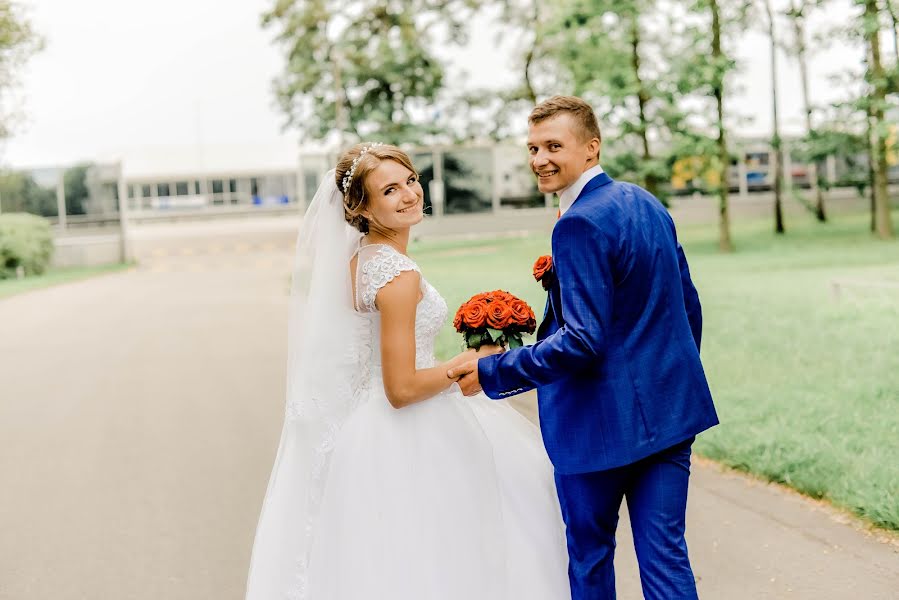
(494, 318)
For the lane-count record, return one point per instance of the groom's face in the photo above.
(558, 154)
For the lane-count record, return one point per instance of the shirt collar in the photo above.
(570, 194)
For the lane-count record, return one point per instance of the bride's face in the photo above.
(395, 196)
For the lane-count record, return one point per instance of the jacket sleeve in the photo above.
(583, 262)
(691, 298)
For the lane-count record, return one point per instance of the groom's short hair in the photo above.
(583, 114)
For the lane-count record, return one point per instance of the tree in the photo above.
(18, 42)
(614, 54)
(798, 15)
(720, 65)
(525, 17)
(363, 67)
(703, 65)
(20, 193)
(775, 139)
(497, 114)
(878, 128)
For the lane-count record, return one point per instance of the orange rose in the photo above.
(499, 314)
(543, 271)
(522, 314)
(543, 264)
(474, 314)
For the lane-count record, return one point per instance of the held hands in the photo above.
(473, 355)
(464, 368)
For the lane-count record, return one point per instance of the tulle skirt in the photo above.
(449, 499)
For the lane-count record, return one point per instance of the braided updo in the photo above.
(367, 157)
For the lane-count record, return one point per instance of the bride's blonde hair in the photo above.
(352, 169)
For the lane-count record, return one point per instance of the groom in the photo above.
(621, 389)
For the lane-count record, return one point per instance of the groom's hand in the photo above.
(467, 376)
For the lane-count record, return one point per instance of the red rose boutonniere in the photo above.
(543, 271)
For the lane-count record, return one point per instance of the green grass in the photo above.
(806, 382)
(11, 287)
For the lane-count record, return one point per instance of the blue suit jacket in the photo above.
(616, 361)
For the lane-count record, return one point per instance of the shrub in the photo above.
(25, 241)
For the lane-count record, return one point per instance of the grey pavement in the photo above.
(140, 413)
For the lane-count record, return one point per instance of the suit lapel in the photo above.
(551, 312)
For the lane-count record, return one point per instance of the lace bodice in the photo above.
(377, 266)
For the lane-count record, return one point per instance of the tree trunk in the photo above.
(882, 222)
(872, 179)
(776, 142)
(341, 116)
(649, 180)
(724, 239)
(529, 57)
(798, 17)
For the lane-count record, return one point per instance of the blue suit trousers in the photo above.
(656, 492)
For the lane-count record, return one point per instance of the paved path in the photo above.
(139, 415)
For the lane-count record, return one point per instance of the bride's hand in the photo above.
(470, 355)
(464, 357)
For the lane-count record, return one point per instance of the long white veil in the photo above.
(322, 369)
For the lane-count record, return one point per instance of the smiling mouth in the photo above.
(547, 174)
(405, 210)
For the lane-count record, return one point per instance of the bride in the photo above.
(389, 484)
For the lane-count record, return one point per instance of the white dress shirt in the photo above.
(570, 194)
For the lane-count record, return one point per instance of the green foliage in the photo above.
(26, 241)
(641, 64)
(632, 166)
(493, 337)
(847, 146)
(602, 46)
(20, 193)
(363, 67)
(18, 42)
(498, 114)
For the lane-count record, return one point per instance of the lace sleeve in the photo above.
(377, 271)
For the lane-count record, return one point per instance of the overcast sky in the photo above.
(186, 84)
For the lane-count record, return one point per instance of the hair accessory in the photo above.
(348, 178)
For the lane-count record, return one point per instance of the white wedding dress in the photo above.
(448, 499)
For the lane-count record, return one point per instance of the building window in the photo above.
(217, 187)
(131, 193)
(146, 191)
(181, 188)
(197, 187)
(254, 186)
(162, 190)
(232, 186)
